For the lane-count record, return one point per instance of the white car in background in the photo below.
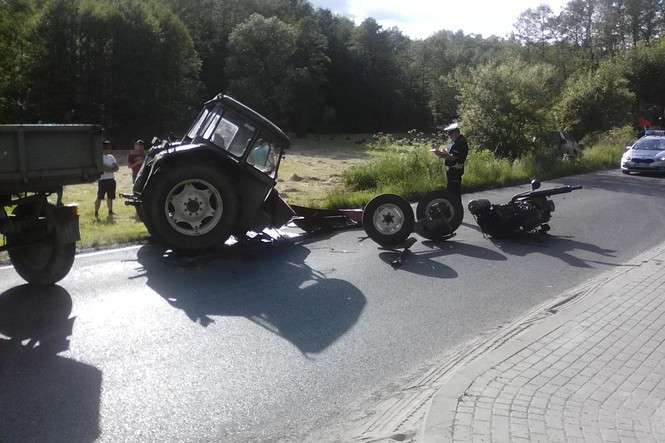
(646, 155)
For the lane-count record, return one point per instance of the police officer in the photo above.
(454, 158)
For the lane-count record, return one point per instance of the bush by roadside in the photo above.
(410, 170)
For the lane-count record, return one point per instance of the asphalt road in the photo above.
(275, 342)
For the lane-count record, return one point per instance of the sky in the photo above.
(422, 18)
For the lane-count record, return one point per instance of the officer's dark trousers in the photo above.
(454, 177)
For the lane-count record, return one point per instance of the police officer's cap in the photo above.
(452, 127)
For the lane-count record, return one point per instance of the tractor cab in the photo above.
(242, 133)
(218, 181)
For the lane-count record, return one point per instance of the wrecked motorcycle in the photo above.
(526, 212)
(389, 219)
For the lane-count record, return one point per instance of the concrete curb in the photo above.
(437, 426)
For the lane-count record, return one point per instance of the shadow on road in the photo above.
(424, 263)
(43, 397)
(271, 285)
(469, 250)
(555, 246)
(419, 263)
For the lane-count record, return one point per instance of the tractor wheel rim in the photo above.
(193, 207)
(388, 219)
(443, 201)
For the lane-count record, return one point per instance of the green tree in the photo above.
(259, 65)
(645, 74)
(504, 106)
(127, 64)
(178, 86)
(644, 19)
(341, 88)
(16, 21)
(94, 62)
(309, 63)
(439, 59)
(535, 28)
(209, 23)
(54, 74)
(576, 23)
(444, 103)
(386, 89)
(375, 75)
(595, 100)
(610, 26)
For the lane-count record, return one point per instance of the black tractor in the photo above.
(218, 181)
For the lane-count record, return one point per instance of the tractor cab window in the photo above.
(264, 156)
(197, 125)
(212, 124)
(230, 132)
(224, 134)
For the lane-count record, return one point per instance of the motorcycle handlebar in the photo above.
(545, 192)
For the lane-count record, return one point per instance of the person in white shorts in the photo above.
(106, 184)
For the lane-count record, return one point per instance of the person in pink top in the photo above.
(135, 158)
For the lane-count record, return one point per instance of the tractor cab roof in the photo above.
(251, 115)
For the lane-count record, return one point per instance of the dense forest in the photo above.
(143, 67)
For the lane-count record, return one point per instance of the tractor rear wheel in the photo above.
(191, 209)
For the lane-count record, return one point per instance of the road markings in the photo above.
(91, 254)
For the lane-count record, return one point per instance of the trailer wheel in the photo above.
(439, 214)
(192, 208)
(388, 220)
(43, 262)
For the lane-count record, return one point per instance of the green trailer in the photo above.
(37, 161)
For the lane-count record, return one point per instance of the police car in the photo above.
(646, 155)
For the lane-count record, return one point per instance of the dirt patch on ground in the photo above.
(313, 167)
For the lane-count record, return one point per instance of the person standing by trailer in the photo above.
(106, 184)
(135, 158)
(454, 158)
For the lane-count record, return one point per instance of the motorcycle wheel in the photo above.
(439, 214)
(388, 220)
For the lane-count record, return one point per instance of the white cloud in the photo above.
(421, 18)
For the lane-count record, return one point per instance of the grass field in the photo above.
(314, 167)
(123, 227)
(410, 170)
